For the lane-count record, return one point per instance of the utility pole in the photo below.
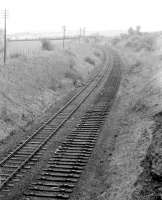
(5, 50)
(4, 15)
(80, 34)
(64, 35)
(84, 31)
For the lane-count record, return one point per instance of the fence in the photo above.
(30, 47)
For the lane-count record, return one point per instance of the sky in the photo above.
(95, 15)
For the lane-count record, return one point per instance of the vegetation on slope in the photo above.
(30, 85)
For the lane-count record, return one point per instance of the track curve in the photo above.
(29, 151)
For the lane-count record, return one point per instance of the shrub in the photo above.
(123, 36)
(46, 45)
(115, 40)
(89, 60)
(74, 76)
(72, 64)
(15, 55)
(86, 40)
(97, 54)
(138, 42)
(55, 84)
(130, 31)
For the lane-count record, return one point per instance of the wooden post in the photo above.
(84, 31)
(64, 35)
(80, 34)
(5, 48)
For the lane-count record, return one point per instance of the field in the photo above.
(30, 48)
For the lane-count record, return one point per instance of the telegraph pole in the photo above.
(84, 31)
(64, 35)
(4, 15)
(5, 50)
(80, 34)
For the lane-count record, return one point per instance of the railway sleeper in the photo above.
(49, 189)
(74, 152)
(77, 148)
(67, 161)
(58, 180)
(83, 131)
(65, 167)
(57, 196)
(73, 145)
(51, 184)
(77, 134)
(70, 157)
(80, 140)
(80, 154)
(57, 174)
(66, 164)
(63, 170)
(86, 147)
(82, 136)
(79, 144)
(87, 128)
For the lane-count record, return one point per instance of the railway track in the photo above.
(30, 151)
(64, 168)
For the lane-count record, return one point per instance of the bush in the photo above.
(15, 55)
(55, 84)
(89, 60)
(97, 54)
(75, 77)
(115, 40)
(46, 45)
(138, 42)
(72, 64)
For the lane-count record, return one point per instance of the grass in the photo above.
(139, 99)
(29, 85)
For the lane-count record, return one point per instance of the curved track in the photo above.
(29, 151)
(63, 170)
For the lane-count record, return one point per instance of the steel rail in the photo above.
(46, 123)
(96, 81)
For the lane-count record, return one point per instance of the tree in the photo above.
(130, 31)
(138, 28)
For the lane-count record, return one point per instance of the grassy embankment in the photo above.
(127, 162)
(29, 85)
(136, 164)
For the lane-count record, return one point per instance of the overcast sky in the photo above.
(51, 15)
